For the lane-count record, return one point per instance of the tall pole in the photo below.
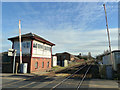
(108, 34)
(20, 41)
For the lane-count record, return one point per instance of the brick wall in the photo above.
(40, 64)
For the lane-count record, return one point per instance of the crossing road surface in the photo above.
(48, 82)
(66, 79)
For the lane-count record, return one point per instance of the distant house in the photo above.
(64, 56)
(106, 58)
(36, 51)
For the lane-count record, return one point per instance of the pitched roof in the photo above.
(32, 36)
(115, 51)
(63, 53)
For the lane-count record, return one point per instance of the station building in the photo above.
(36, 51)
(61, 57)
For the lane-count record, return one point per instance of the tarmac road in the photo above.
(48, 82)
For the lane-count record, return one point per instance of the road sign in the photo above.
(11, 52)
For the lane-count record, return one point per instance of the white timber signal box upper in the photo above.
(33, 45)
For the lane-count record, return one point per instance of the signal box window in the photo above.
(42, 64)
(36, 65)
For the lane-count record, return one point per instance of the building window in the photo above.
(47, 48)
(44, 47)
(23, 44)
(64, 57)
(47, 64)
(42, 64)
(40, 46)
(28, 45)
(34, 45)
(36, 65)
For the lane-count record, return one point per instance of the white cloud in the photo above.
(75, 41)
(80, 15)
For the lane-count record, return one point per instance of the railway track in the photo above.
(79, 85)
(78, 69)
(86, 69)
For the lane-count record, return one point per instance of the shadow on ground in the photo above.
(42, 78)
(19, 76)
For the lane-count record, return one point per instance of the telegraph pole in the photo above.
(20, 42)
(108, 34)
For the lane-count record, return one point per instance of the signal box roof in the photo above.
(33, 37)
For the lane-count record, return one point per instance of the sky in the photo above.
(75, 27)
